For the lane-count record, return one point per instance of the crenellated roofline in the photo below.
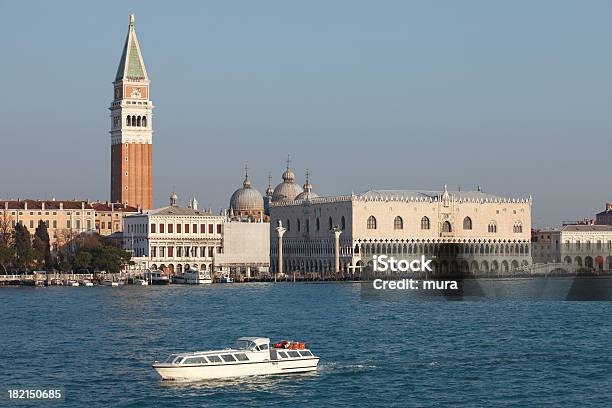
(411, 196)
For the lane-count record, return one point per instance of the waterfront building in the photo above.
(174, 238)
(578, 246)
(131, 128)
(64, 219)
(605, 217)
(337, 236)
(246, 249)
(109, 216)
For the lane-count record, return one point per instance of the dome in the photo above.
(307, 194)
(246, 198)
(269, 190)
(288, 176)
(287, 190)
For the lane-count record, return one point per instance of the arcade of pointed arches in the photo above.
(318, 257)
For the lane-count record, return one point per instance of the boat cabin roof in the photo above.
(256, 340)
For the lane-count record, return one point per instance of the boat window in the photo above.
(282, 354)
(263, 346)
(171, 358)
(195, 360)
(293, 354)
(178, 360)
(214, 359)
(228, 358)
(243, 344)
(305, 353)
(241, 357)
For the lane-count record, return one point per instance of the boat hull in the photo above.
(206, 372)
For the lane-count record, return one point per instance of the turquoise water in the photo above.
(98, 344)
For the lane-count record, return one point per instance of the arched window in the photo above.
(492, 227)
(425, 223)
(371, 222)
(446, 227)
(138, 121)
(467, 223)
(129, 120)
(144, 121)
(343, 223)
(331, 224)
(298, 224)
(398, 223)
(288, 225)
(318, 224)
(307, 225)
(518, 227)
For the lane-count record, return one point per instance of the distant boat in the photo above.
(157, 277)
(226, 279)
(109, 282)
(193, 276)
(72, 283)
(141, 282)
(86, 282)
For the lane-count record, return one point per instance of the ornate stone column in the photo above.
(280, 231)
(337, 231)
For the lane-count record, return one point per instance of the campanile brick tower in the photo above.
(131, 128)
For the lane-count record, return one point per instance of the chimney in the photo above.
(6, 205)
(25, 205)
(82, 205)
(61, 206)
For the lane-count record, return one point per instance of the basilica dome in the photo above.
(288, 190)
(246, 199)
(307, 194)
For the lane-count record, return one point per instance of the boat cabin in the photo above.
(246, 349)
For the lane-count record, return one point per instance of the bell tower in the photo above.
(131, 128)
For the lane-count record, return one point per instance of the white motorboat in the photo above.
(193, 276)
(141, 282)
(86, 282)
(226, 279)
(72, 283)
(249, 356)
(109, 282)
(156, 277)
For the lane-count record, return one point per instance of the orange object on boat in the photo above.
(296, 346)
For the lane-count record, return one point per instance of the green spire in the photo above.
(131, 58)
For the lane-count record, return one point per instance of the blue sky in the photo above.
(513, 96)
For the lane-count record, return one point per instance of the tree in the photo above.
(6, 229)
(22, 244)
(41, 245)
(82, 260)
(110, 258)
(6, 257)
(6, 241)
